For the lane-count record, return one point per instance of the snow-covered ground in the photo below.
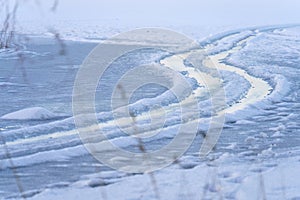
(256, 157)
(222, 178)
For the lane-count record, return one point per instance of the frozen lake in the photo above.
(258, 135)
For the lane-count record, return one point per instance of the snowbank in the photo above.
(35, 113)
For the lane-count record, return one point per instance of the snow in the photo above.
(256, 157)
(34, 113)
(218, 180)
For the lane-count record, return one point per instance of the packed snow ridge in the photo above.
(34, 113)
